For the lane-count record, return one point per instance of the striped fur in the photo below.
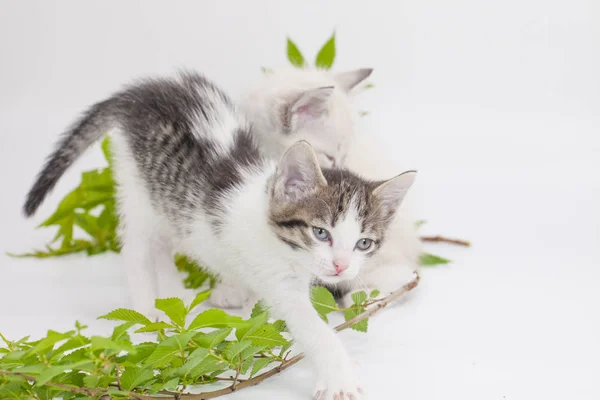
(192, 180)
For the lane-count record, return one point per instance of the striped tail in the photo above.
(95, 122)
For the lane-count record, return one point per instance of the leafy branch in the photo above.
(67, 365)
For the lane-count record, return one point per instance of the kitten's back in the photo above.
(187, 139)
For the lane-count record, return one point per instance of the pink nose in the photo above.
(340, 267)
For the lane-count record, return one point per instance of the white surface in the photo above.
(496, 103)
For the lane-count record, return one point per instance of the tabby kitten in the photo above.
(192, 180)
(316, 105)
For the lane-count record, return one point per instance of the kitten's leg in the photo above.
(336, 378)
(228, 293)
(170, 280)
(139, 260)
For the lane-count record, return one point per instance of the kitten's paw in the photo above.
(339, 391)
(227, 296)
(343, 385)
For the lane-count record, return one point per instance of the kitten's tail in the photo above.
(95, 122)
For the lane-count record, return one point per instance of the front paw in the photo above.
(227, 295)
(341, 386)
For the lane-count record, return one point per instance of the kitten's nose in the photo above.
(340, 266)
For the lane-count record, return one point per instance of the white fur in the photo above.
(245, 251)
(335, 134)
(327, 134)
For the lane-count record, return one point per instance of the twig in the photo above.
(442, 239)
(286, 364)
(75, 389)
(238, 384)
(118, 372)
(235, 380)
(230, 379)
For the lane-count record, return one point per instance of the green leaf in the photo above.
(161, 356)
(155, 327)
(142, 352)
(234, 349)
(323, 301)
(73, 343)
(106, 150)
(47, 343)
(120, 331)
(102, 343)
(32, 369)
(193, 361)
(246, 364)
(369, 86)
(359, 297)
(215, 318)
(259, 364)
(123, 314)
(266, 70)
(95, 381)
(12, 390)
(266, 335)
(200, 297)
(251, 326)
(54, 371)
(428, 259)
(197, 275)
(294, 54)
(420, 223)
(179, 341)
(360, 326)
(212, 339)
(280, 325)
(174, 308)
(134, 377)
(168, 349)
(209, 365)
(326, 55)
(374, 293)
(258, 309)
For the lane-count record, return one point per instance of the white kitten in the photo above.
(316, 106)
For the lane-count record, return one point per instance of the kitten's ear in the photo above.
(391, 192)
(298, 173)
(311, 105)
(348, 80)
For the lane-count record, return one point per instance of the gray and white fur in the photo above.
(192, 180)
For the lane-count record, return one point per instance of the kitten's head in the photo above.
(331, 219)
(305, 104)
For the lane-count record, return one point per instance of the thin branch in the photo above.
(118, 372)
(238, 384)
(442, 239)
(286, 364)
(70, 388)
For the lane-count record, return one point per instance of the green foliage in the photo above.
(326, 55)
(89, 207)
(430, 260)
(64, 364)
(324, 302)
(294, 55)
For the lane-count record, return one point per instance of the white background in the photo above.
(497, 104)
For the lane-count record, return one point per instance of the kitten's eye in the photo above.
(364, 244)
(321, 233)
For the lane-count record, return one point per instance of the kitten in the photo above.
(316, 106)
(192, 180)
